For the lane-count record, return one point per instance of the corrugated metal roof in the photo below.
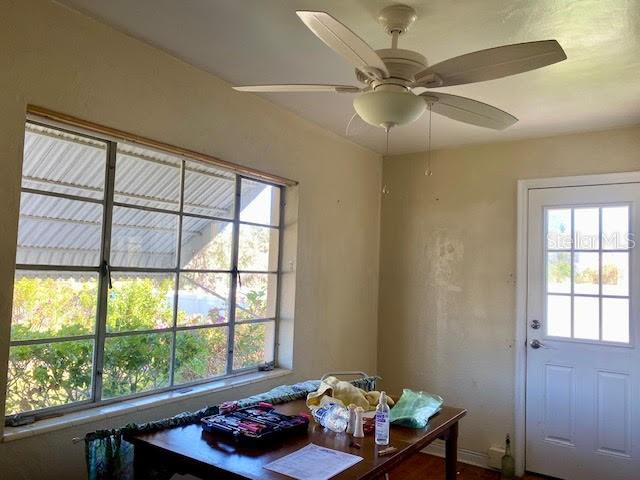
(67, 232)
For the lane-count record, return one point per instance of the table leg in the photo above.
(140, 463)
(451, 452)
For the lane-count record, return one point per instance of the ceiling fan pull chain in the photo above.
(387, 129)
(428, 171)
(346, 132)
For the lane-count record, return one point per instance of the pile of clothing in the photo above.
(332, 390)
(413, 409)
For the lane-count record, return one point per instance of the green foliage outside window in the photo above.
(58, 373)
(560, 271)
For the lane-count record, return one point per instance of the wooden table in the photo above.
(213, 456)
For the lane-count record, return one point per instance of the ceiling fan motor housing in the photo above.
(403, 65)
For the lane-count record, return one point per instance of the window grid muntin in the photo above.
(600, 251)
(124, 333)
(100, 333)
(233, 288)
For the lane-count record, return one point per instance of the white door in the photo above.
(583, 380)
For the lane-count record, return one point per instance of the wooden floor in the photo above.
(427, 467)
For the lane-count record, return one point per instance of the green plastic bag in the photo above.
(415, 408)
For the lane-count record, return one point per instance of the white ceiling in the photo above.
(263, 41)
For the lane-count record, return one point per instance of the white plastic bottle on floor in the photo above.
(382, 421)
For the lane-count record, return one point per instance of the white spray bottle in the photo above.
(382, 421)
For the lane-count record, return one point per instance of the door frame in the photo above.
(521, 288)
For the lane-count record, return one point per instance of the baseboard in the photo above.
(464, 455)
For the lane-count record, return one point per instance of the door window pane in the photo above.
(598, 274)
(200, 353)
(208, 191)
(53, 304)
(559, 315)
(206, 244)
(203, 298)
(559, 272)
(136, 363)
(256, 296)
(586, 224)
(586, 273)
(615, 228)
(61, 162)
(144, 239)
(140, 301)
(58, 231)
(253, 344)
(258, 248)
(586, 318)
(559, 229)
(49, 375)
(260, 203)
(615, 273)
(147, 178)
(615, 319)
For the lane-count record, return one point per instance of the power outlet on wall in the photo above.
(495, 457)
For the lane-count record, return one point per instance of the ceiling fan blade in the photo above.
(342, 40)
(491, 64)
(293, 88)
(470, 111)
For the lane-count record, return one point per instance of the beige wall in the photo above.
(446, 312)
(56, 58)
(448, 266)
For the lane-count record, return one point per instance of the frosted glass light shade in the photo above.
(389, 109)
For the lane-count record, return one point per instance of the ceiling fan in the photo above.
(386, 99)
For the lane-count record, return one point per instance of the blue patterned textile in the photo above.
(282, 394)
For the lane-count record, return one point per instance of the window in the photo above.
(136, 271)
(587, 273)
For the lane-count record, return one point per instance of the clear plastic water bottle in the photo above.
(382, 421)
(332, 416)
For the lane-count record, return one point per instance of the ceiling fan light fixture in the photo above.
(387, 109)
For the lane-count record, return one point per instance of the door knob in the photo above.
(536, 344)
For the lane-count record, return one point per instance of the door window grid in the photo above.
(175, 331)
(581, 303)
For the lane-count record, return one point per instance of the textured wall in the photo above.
(446, 312)
(448, 266)
(56, 58)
